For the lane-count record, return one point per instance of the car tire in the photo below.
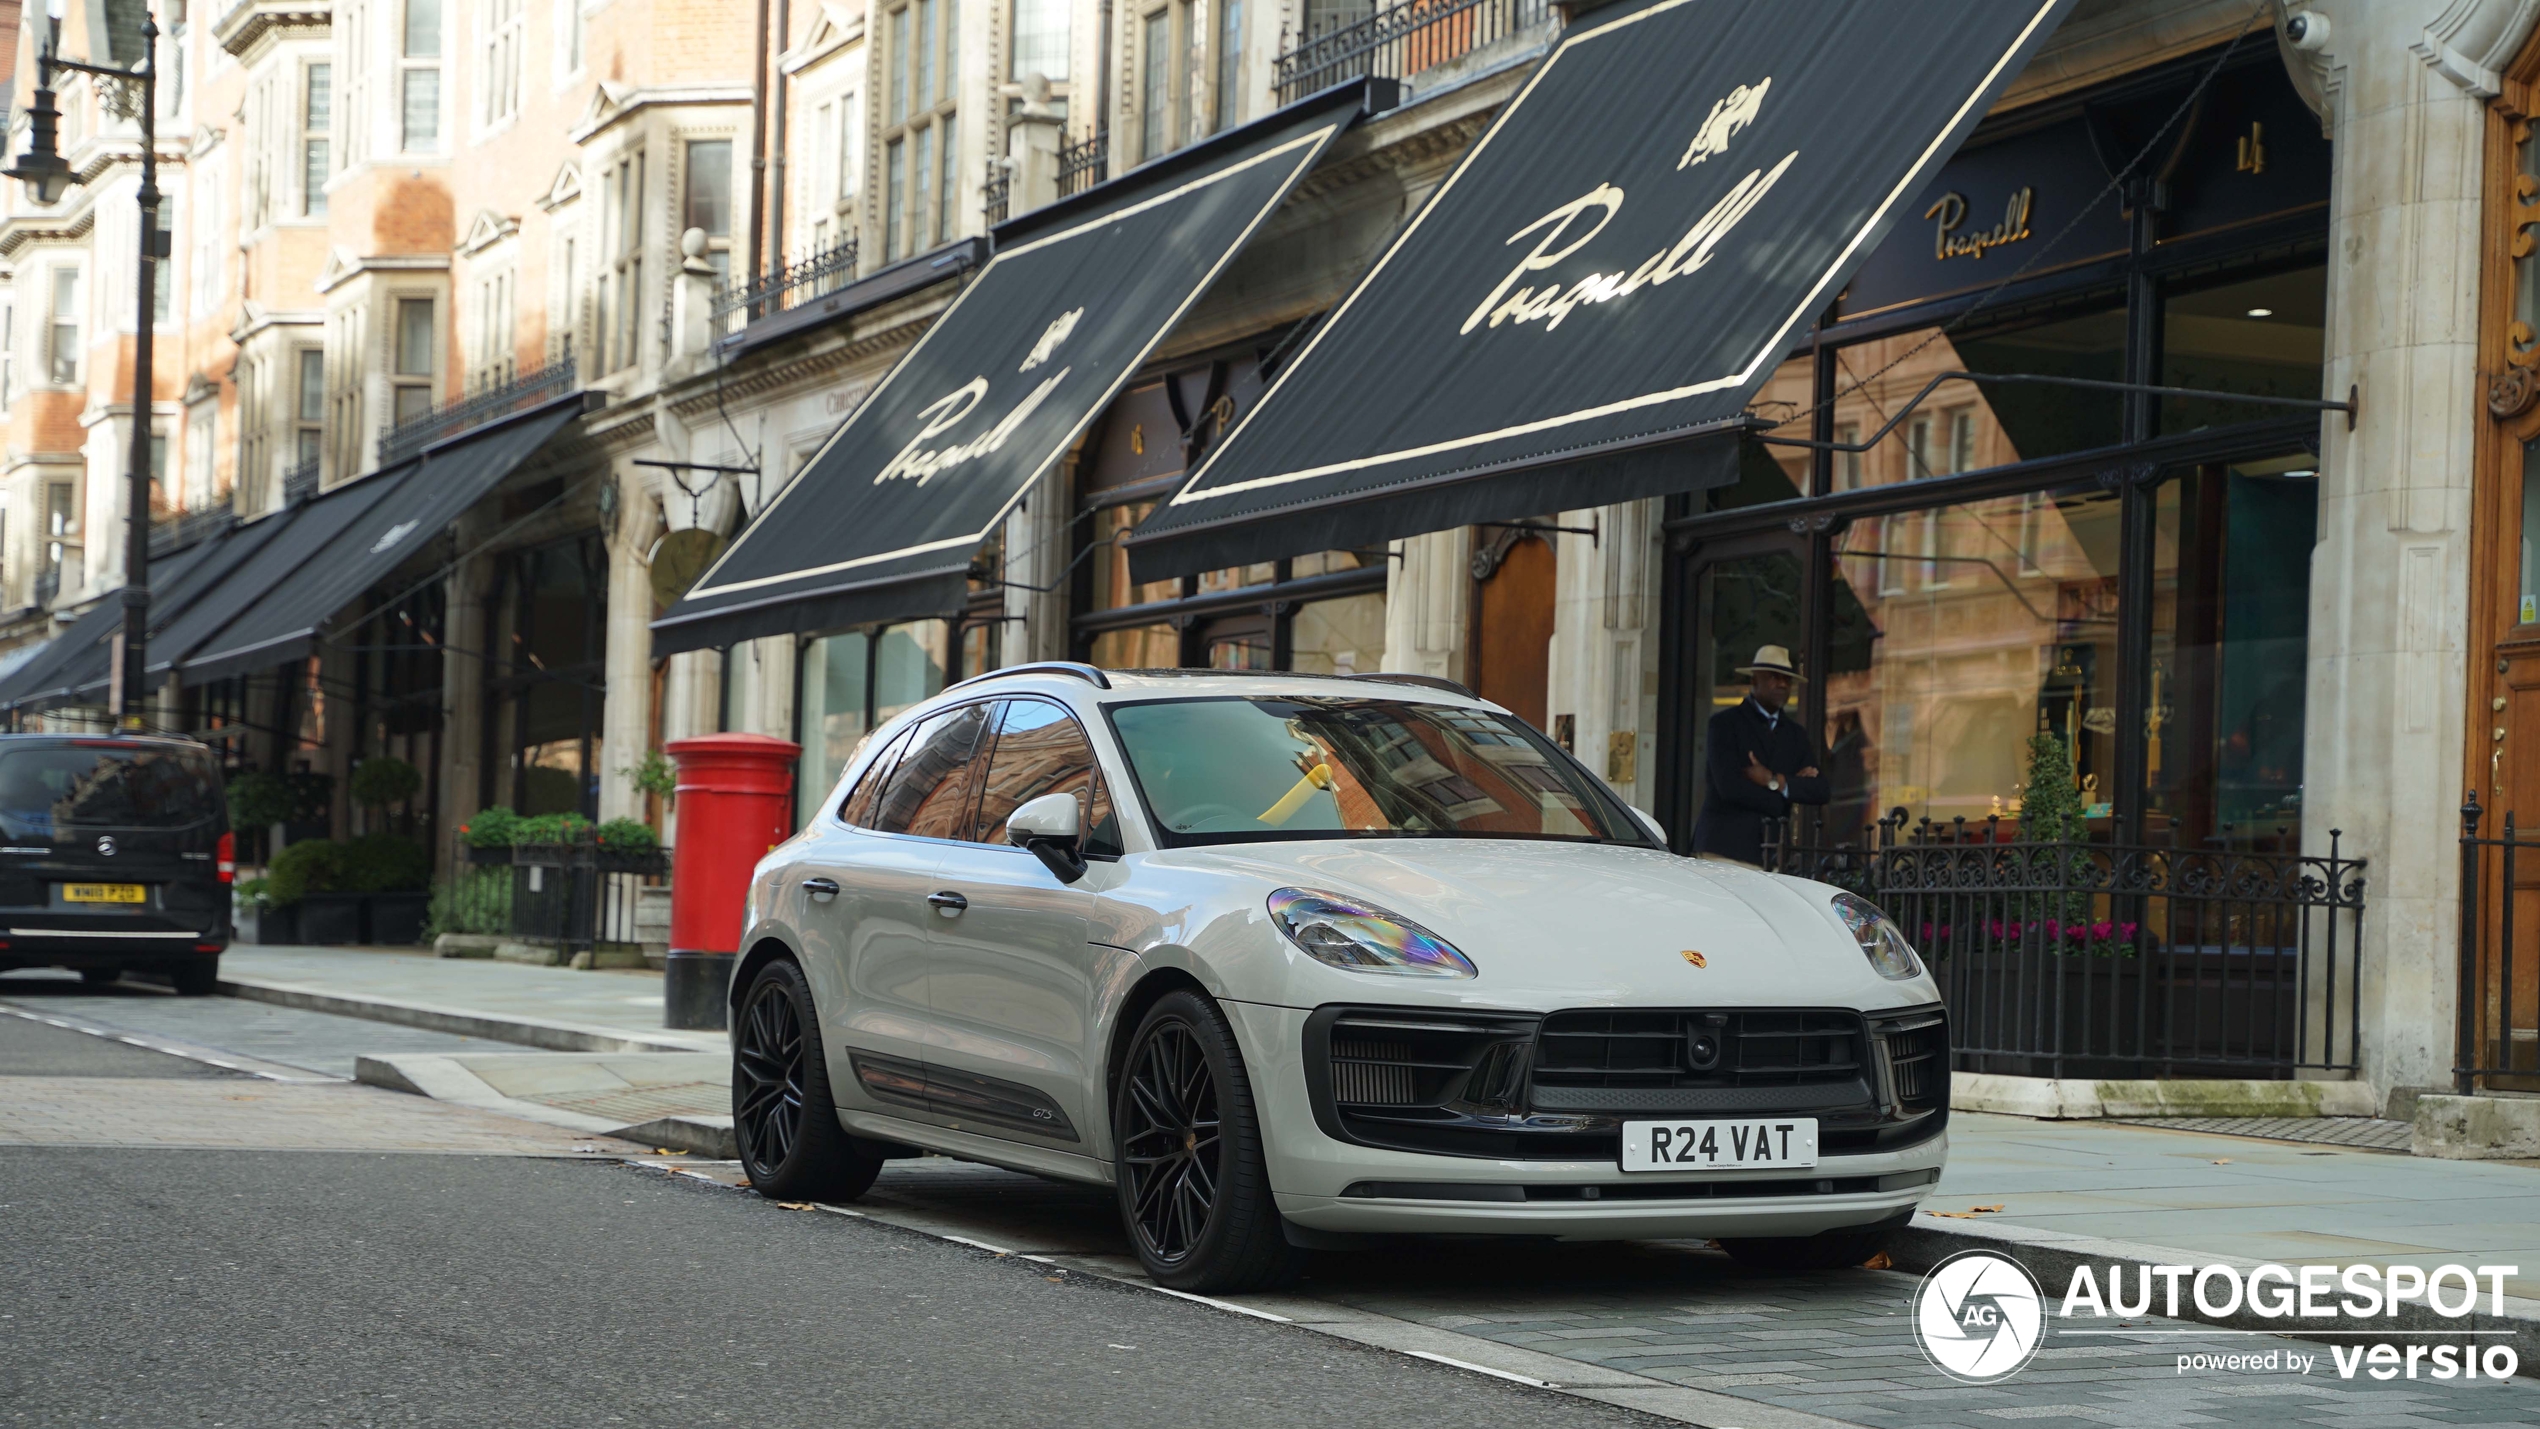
(1833, 1250)
(784, 1118)
(1197, 1207)
(195, 977)
(99, 977)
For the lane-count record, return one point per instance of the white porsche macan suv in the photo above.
(1291, 959)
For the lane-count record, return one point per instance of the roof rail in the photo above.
(1087, 673)
(1433, 682)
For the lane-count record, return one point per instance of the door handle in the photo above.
(948, 903)
(823, 889)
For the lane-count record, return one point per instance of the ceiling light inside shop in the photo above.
(2262, 312)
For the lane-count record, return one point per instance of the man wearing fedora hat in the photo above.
(1759, 762)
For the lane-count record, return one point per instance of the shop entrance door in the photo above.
(1733, 595)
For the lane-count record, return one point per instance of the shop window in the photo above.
(1935, 684)
(545, 631)
(849, 685)
(2230, 653)
(2527, 598)
(1968, 426)
(2262, 336)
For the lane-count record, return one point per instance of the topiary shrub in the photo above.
(493, 827)
(260, 800)
(309, 866)
(382, 781)
(383, 863)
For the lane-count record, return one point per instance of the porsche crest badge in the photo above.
(1695, 958)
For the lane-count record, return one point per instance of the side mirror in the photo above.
(1051, 827)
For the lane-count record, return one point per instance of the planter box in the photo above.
(271, 926)
(394, 918)
(488, 855)
(327, 918)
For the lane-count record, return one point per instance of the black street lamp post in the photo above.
(47, 177)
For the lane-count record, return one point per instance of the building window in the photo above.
(419, 78)
(850, 684)
(709, 200)
(61, 523)
(199, 428)
(62, 344)
(922, 74)
(317, 121)
(569, 17)
(1190, 74)
(8, 352)
(351, 329)
(308, 408)
(353, 23)
(623, 327)
(496, 340)
(498, 61)
(413, 359)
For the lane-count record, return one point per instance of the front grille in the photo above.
(1368, 1073)
(1917, 1059)
(1656, 1050)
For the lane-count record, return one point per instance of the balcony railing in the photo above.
(2071, 958)
(997, 193)
(499, 399)
(184, 528)
(814, 275)
(48, 584)
(299, 483)
(1081, 166)
(1399, 41)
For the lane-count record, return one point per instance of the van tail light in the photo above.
(227, 866)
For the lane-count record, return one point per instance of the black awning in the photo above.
(1617, 264)
(883, 522)
(81, 657)
(271, 606)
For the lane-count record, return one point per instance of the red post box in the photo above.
(736, 801)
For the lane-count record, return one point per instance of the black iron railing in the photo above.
(495, 399)
(184, 528)
(2087, 959)
(48, 584)
(1083, 165)
(814, 275)
(2497, 1044)
(1400, 40)
(580, 896)
(300, 482)
(997, 192)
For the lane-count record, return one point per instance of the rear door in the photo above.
(1013, 984)
(108, 831)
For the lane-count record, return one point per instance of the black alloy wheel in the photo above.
(783, 1117)
(1194, 1189)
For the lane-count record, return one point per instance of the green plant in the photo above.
(383, 863)
(254, 890)
(631, 835)
(381, 781)
(259, 800)
(309, 866)
(653, 774)
(2050, 804)
(551, 829)
(493, 827)
(478, 900)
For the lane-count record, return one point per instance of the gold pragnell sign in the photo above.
(1951, 240)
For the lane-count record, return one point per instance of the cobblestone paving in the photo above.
(1840, 1345)
(242, 1114)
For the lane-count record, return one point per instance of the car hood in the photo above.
(1555, 925)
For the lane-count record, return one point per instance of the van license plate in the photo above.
(104, 893)
(1749, 1143)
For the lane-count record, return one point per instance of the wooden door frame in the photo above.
(2510, 374)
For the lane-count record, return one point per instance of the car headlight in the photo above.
(1359, 937)
(1882, 942)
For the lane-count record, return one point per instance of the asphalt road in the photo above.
(164, 1287)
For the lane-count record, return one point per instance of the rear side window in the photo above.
(51, 789)
(858, 809)
(929, 793)
(1040, 749)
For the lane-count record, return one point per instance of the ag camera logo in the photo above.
(1979, 1317)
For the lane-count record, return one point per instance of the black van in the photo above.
(115, 856)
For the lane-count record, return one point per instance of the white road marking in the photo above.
(1482, 1369)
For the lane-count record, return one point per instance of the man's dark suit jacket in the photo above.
(1734, 807)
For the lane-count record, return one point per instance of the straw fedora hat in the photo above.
(1772, 659)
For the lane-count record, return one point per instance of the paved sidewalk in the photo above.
(581, 1011)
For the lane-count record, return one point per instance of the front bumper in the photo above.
(1327, 1184)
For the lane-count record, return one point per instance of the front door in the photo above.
(1013, 981)
(1513, 571)
(1737, 595)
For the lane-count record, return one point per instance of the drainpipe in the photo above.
(758, 148)
(776, 147)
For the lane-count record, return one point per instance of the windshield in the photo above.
(52, 789)
(1243, 769)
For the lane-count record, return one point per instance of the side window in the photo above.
(858, 809)
(929, 793)
(1040, 749)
